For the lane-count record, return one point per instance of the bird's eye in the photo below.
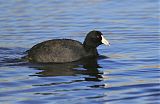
(98, 36)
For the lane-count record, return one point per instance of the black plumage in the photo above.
(65, 50)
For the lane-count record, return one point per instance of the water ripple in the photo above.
(129, 72)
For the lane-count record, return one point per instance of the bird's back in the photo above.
(59, 50)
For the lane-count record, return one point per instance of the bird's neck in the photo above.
(92, 51)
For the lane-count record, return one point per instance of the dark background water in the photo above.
(130, 74)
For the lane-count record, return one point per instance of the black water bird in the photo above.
(66, 50)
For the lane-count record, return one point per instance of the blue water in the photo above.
(130, 74)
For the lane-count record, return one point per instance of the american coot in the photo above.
(66, 50)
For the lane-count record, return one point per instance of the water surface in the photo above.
(129, 74)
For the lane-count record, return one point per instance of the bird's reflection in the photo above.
(88, 67)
